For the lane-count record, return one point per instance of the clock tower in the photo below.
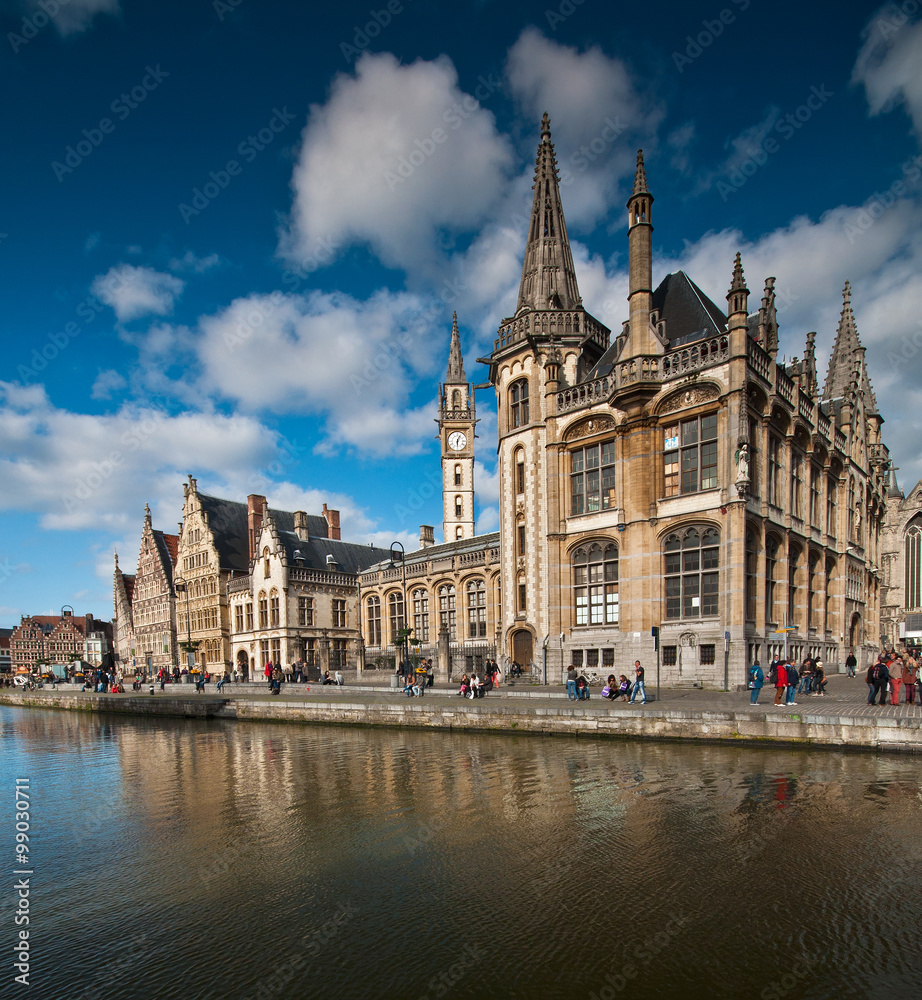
(456, 434)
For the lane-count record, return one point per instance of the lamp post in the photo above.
(180, 586)
(403, 634)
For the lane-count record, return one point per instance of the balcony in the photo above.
(694, 357)
(551, 323)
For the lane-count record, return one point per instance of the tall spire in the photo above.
(845, 366)
(640, 176)
(455, 359)
(548, 275)
(642, 339)
(738, 299)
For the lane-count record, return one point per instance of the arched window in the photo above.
(752, 571)
(373, 620)
(692, 560)
(263, 605)
(459, 533)
(457, 473)
(420, 598)
(794, 554)
(518, 403)
(592, 478)
(395, 614)
(771, 581)
(447, 612)
(476, 609)
(266, 562)
(813, 588)
(913, 584)
(459, 507)
(456, 399)
(519, 470)
(595, 584)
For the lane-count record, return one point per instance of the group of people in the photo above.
(890, 672)
(620, 687)
(788, 680)
(474, 686)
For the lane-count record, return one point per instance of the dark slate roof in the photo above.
(227, 520)
(350, 557)
(475, 544)
(167, 555)
(689, 314)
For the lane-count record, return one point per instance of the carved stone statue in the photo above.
(742, 463)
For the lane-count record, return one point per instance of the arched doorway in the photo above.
(855, 637)
(522, 648)
(243, 664)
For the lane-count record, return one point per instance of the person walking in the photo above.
(638, 684)
(792, 681)
(910, 675)
(877, 678)
(896, 679)
(851, 664)
(781, 683)
(756, 682)
(571, 683)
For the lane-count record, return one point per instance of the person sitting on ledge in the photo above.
(475, 685)
(610, 691)
(327, 679)
(465, 688)
(582, 688)
(624, 688)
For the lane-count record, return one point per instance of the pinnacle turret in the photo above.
(455, 358)
(737, 298)
(548, 275)
(640, 176)
(847, 374)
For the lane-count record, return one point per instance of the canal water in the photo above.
(190, 859)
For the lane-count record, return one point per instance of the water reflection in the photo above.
(248, 860)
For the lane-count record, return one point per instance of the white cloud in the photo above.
(134, 291)
(73, 16)
(191, 262)
(354, 362)
(107, 382)
(599, 115)
(396, 156)
(888, 64)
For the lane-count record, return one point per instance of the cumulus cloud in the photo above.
(396, 156)
(355, 362)
(133, 292)
(106, 383)
(888, 64)
(73, 16)
(599, 115)
(192, 262)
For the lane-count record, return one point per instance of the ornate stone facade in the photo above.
(901, 568)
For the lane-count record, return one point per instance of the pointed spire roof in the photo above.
(894, 492)
(455, 358)
(548, 275)
(847, 372)
(640, 176)
(738, 282)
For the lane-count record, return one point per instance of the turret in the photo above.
(642, 339)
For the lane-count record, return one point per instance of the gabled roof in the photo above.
(689, 314)
(227, 520)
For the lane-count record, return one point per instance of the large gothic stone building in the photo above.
(676, 476)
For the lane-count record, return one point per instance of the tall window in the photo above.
(774, 471)
(595, 584)
(520, 540)
(263, 611)
(831, 507)
(816, 477)
(306, 611)
(339, 614)
(338, 654)
(421, 614)
(794, 554)
(752, 572)
(373, 618)
(913, 582)
(690, 455)
(797, 486)
(518, 403)
(476, 609)
(459, 507)
(457, 474)
(692, 577)
(519, 471)
(850, 526)
(274, 610)
(447, 611)
(276, 650)
(813, 582)
(238, 617)
(395, 613)
(754, 457)
(592, 478)
(266, 567)
(771, 579)
(249, 610)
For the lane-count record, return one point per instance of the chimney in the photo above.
(426, 536)
(256, 509)
(301, 525)
(332, 517)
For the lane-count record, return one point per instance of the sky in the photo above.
(233, 233)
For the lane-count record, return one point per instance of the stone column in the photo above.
(324, 655)
(359, 658)
(443, 658)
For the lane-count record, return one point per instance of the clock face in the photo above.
(457, 441)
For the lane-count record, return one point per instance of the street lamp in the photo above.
(403, 634)
(180, 586)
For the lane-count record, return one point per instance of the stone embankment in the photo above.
(840, 720)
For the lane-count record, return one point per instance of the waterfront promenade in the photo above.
(840, 719)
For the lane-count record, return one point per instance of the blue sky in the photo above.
(233, 233)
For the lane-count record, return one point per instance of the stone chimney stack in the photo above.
(332, 517)
(426, 536)
(301, 525)
(256, 511)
